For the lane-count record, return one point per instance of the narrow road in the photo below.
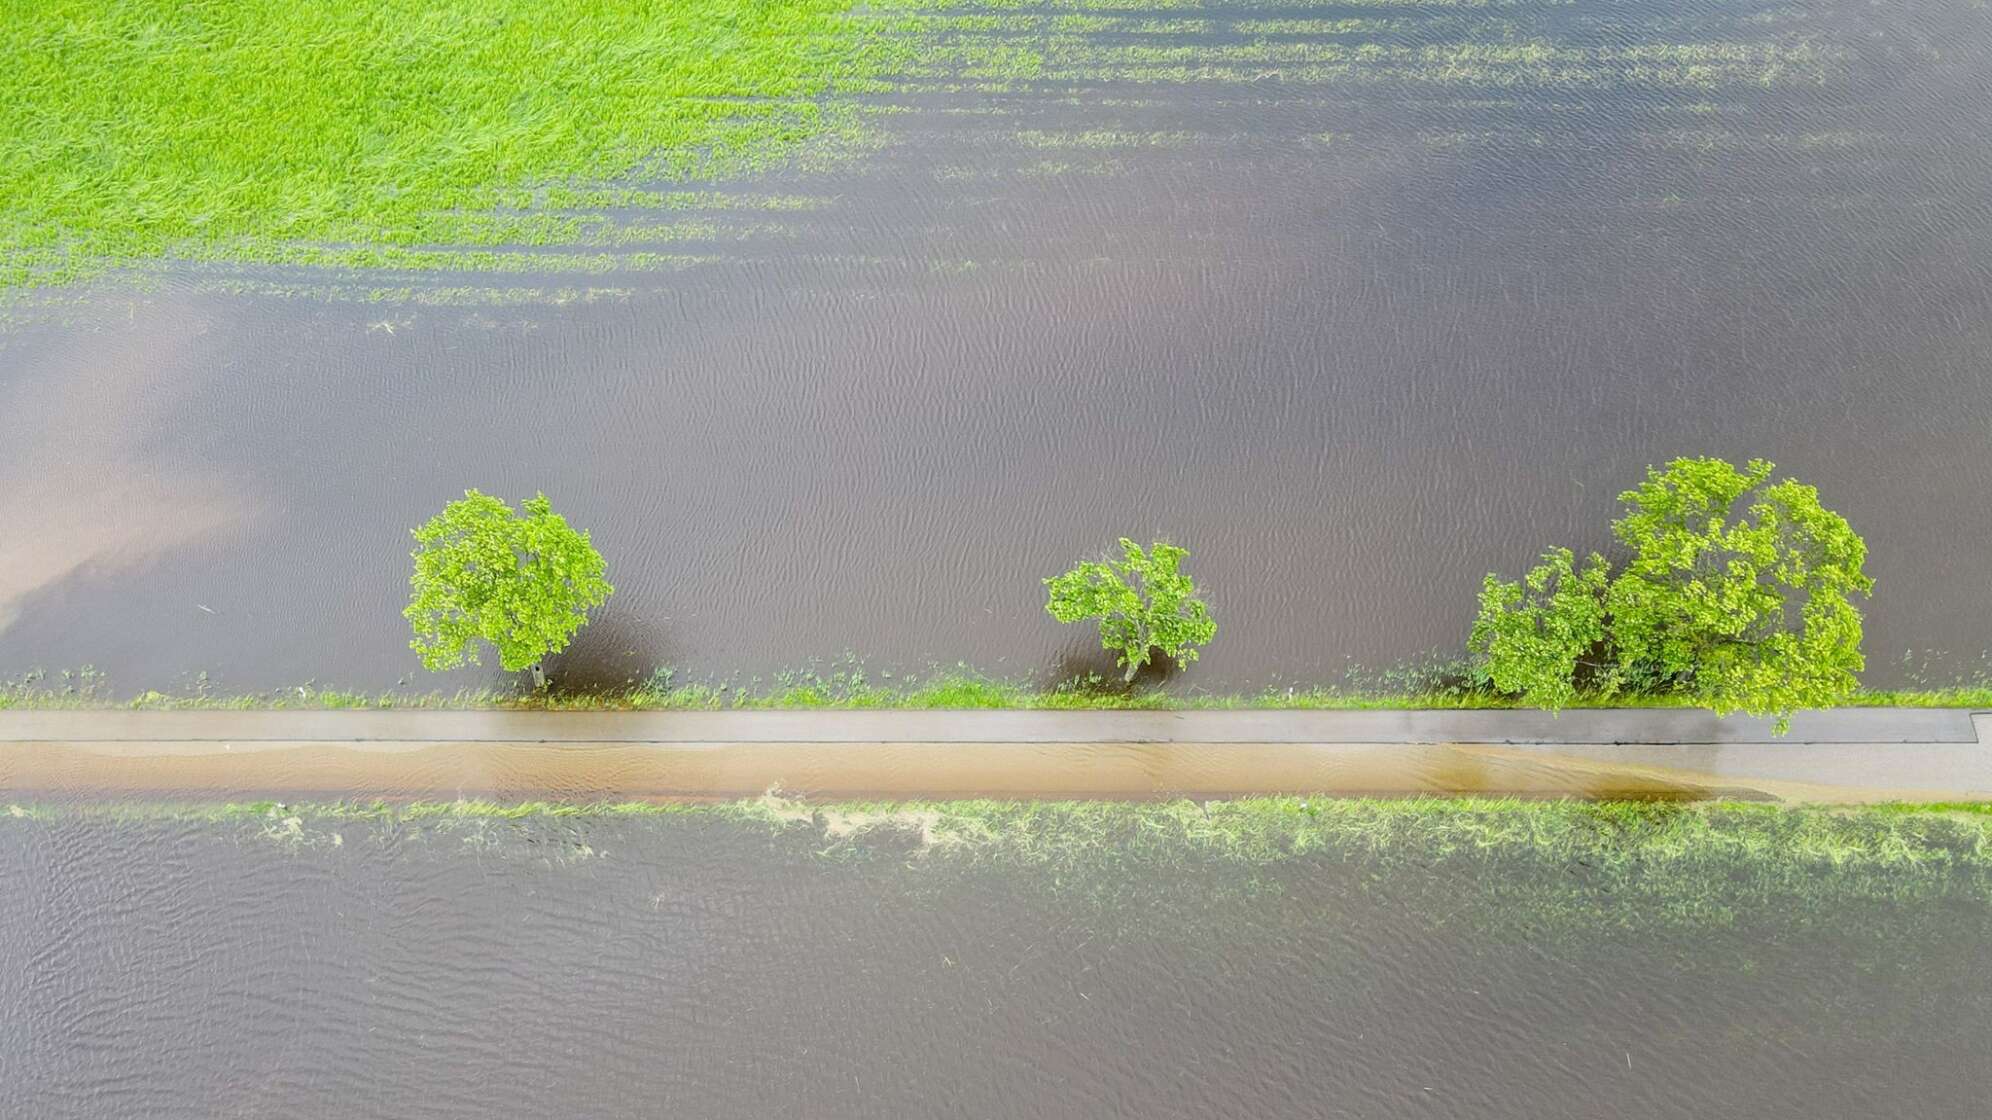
(1846, 755)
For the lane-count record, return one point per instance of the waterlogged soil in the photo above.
(1358, 302)
(842, 964)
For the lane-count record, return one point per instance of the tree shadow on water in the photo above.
(609, 656)
(1086, 669)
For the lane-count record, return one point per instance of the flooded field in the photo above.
(1261, 958)
(1356, 301)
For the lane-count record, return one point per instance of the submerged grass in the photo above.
(1644, 849)
(419, 135)
(1245, 830)
(1521, 872)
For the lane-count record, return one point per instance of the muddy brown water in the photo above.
(1845, 756)
(610, 968)
(1355, 336)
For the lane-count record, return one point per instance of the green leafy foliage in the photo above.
(523, 582)
(1737, 594)
(1143, 601)
(1531, 636)
(1746, 609)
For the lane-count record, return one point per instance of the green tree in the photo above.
(523, 582)
(1143, 602)
(1737, 593)
(1532, 636)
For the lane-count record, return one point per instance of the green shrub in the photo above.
(523, 582)
(1737, 593)
(1532, 636)
(1142, 601)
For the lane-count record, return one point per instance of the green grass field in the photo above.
(420, 135)
(245, 128)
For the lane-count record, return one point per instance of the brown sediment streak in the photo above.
(623, 770)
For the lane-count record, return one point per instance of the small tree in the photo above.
(1532, 636)
(1143, 602)
(1737, 593)
(523, 582)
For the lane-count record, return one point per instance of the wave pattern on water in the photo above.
(1357, 301)
(289, 963)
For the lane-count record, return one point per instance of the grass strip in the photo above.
(856, 690)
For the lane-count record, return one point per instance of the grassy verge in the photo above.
(855, 690)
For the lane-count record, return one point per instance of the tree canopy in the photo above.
(524, 582)
(1143, 602)
(1736, 592)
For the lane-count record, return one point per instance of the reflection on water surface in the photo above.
(1358, 302)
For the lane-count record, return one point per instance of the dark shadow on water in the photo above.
(611, 654)
(1086, 668)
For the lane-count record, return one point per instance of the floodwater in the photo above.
(1358, 302)
(607, 967)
